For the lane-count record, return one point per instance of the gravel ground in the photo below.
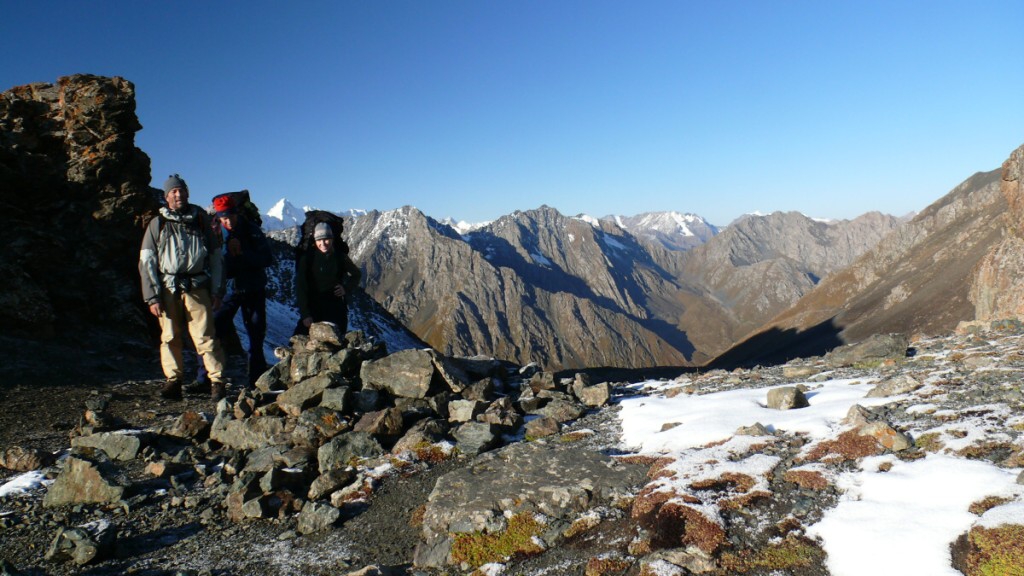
(161, 534)
(170, 532)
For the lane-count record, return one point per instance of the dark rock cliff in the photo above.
(74, 191)
(998, 288)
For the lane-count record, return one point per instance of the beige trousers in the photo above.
(194, 309)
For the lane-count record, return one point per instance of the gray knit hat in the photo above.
(323, 231)
(174, 181)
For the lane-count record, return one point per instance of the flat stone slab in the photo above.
(557, 479)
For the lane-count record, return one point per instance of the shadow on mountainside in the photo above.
(672, 335)
(776, 346)
(769, 348)
(550, 277)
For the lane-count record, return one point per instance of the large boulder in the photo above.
(558, 480)
(408, 373)
(786, 398)
(85, 479)
(118, 446)
(900, 384)
(343, 450)
(316, 517)
(873, 349)
(305, 394)
(250, 433)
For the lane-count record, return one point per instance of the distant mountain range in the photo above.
(660, 288)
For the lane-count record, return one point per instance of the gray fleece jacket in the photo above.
(180, 252)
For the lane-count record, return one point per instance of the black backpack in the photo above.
(314, 217)
(245, 206)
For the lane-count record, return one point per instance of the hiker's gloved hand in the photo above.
(156, 309)
(234, 247)
(339, 290)
(307, 321)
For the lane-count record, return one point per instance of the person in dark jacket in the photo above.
(246, 258)
(324, 277)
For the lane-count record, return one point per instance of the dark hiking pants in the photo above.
(253, 304)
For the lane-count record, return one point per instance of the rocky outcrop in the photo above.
(998, 288)
(74, 191)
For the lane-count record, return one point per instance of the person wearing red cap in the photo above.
(246, 257)
(180, 263)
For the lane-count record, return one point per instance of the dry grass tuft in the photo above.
(478, 548)
(809, 479)
(581, 525)
(649, 500)
(727, 481)
(930, 442)
(980, 507)
(432, 454)
(605, 566)
(658, 466)
(793, 553)
(848, 446)
(987, 450)
(677, 524)
(638, 459)
(416, 518)
(991, 551)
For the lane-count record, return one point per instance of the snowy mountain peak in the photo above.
(463, 227)
(674, 230)
(283, 215)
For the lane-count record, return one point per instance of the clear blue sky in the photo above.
(473, 109)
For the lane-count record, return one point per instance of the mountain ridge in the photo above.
(576, 291)
(918, 279)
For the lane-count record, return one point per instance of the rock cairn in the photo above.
(312, 441)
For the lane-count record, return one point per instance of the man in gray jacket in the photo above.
(181, 265)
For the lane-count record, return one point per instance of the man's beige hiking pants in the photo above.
(194, 309)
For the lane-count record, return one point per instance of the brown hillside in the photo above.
(916, 280)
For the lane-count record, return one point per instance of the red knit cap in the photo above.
(223, 205)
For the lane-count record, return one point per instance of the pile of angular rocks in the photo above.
(308, 439)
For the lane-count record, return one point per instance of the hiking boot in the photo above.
(218, 391)
(171, 389)
(199, 386)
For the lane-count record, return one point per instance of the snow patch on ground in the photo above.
(24, 483)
